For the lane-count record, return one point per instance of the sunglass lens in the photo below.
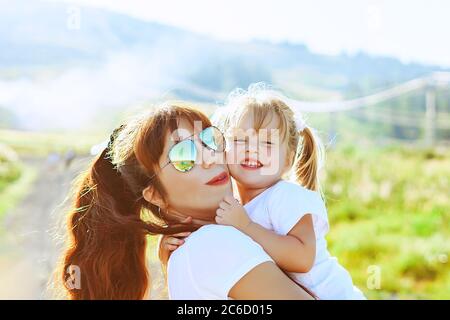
(183, 155)
(212, 138)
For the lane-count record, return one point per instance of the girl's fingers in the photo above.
(187, 220)
(181, 234)
(220, 212)
(224, 205)
(230, 199)
(175, 241)
(171, 247)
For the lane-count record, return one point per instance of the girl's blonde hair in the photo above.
(264, 103)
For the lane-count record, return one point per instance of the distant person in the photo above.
(53, 160)
(69, 156)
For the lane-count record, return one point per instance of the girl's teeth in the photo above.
(251, 164)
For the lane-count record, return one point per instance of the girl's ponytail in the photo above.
(309, 160)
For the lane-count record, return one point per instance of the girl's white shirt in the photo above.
(279, 208)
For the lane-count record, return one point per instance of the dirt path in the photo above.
(29, 251)
(31, 246)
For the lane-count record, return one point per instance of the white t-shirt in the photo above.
(211, 261)
(279, 208)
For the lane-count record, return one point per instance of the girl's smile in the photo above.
(251, 164)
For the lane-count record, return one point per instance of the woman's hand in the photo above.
(169, 243)
(232, 213)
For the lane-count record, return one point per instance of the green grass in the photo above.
(16, 190)
(13, 178)
(9, 167)
(390, 208)
(43, 143)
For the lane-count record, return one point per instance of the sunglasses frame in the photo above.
(189, 138)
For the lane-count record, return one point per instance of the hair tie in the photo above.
(299, 122)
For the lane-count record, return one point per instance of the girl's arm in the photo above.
(294, 252)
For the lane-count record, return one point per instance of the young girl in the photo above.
(265, 141)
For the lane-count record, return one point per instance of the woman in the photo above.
(156, 171)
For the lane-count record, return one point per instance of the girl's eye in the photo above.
(269, 143)
(239, 140)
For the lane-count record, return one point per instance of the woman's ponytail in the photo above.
(106, 240)
(105, 257)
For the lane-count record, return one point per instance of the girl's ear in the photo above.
(152, 196)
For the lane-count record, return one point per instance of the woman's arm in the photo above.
(294, 252)
(267, 282)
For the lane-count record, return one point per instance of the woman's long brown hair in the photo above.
(109, 220)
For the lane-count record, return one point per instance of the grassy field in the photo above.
(390, 215)
(10, 169)
(15, 179)
(42, 143)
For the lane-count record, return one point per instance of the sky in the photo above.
(411, 30)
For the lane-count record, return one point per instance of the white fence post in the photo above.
(430, 117)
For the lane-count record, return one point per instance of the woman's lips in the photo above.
(251, 164)
(219, 179)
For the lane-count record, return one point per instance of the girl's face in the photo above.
(198, 192)
(256, 159)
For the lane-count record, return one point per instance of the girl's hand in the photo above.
(232, 213)
(172, 242)
(169, 243)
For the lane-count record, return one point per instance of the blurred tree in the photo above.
(225, 74)
(8, 118)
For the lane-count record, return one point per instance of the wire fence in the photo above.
(426, 127)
